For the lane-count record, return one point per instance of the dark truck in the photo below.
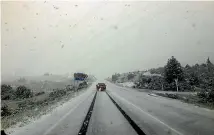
(101, 86)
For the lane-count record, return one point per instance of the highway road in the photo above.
(129, 112)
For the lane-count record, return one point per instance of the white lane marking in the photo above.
(149, 114)
(68, 113)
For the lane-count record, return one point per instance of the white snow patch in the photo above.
(152, 94)
(127, 84)
(149, 74)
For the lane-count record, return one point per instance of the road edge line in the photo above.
(179, 133)
(68, 113)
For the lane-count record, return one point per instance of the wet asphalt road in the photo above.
(154, 115)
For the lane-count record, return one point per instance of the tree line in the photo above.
(174, 77)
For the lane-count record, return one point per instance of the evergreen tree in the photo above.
(187, 67)
(210, 66)
(208, 61)
(173, 71)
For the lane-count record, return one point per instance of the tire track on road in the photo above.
(86, 121)
(131, 122)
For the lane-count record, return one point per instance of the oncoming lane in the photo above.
(158, 115)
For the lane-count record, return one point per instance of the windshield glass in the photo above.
(105, 67)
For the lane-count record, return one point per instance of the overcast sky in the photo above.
(102, 38)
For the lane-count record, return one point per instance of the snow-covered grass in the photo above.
(33, 108)
(188, 98)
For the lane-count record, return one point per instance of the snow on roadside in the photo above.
(45, 112)
(127, 84)
(152, 94)
(150, 74)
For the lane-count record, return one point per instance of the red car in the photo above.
(101, 86)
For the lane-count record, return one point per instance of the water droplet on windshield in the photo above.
(55, 7)
(193, 25)
(115, 27)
